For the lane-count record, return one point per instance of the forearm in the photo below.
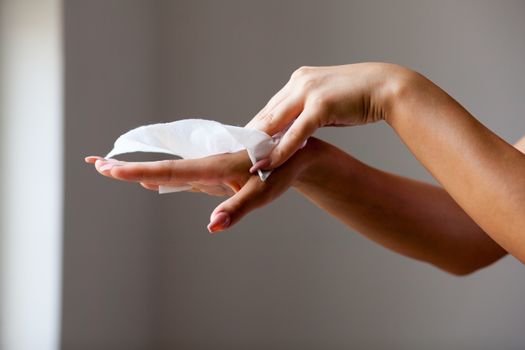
(483, 174)
(410, 217)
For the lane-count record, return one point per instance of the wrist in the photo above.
(400, 86)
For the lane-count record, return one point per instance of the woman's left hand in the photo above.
(218, 175)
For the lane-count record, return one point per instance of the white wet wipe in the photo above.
(196, 138)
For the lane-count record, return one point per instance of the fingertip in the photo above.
(219, 222)
(211, 229)
(92, 159)
(260, 164)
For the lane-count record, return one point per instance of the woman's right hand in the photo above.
(314, 97)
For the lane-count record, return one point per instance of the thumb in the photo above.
(252, 195)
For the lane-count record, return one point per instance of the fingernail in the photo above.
(260, 164)
(106, 166)
(109, 165)
(92, 159)
(219, 222)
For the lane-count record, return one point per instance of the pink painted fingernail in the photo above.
(219, 222)
(260, 164)
(92, 159)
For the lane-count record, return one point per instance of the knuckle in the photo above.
(168, 164)
(120, 173)
(268, 119)
(305, 78)
(294, 134)
(320, 103)
(172, 163)
(301, 72)
(167, 173)
(308, 83)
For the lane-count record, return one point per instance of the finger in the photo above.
(274, 120)
(251, 196)
(294, 138)
(148, 186)
(162, 172)
(254, 194)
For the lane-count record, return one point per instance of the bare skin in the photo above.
(472, 221)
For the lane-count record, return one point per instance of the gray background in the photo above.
(140, 270)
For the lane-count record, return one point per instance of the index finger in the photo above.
(277, 119)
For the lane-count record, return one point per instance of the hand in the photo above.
(325, 96)
(224, 174)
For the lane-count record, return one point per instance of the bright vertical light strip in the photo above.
(31, 173)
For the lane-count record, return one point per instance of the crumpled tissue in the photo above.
(196, 138)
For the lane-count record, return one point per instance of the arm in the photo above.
(483, 174)
(412, 218)
(409, 217)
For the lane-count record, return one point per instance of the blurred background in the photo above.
(89, 263)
